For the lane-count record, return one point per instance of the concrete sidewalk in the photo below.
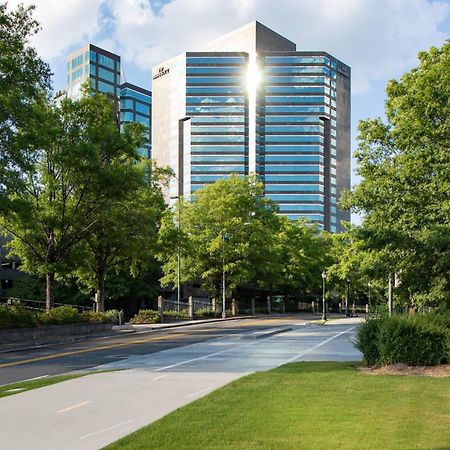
(90, 412)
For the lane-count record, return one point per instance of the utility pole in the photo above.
(390, 294)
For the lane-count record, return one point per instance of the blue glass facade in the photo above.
(252, 104)
(136, 106)
(216, 102)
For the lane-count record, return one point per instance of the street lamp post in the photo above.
(223, 277)
(347, 295)
(177, 197)
(369, 285)
(324, 278)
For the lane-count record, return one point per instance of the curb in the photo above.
(124, 332)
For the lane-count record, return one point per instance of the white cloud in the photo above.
(64, 24)
(378, 38)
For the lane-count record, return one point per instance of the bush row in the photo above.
(416, 340)
(16, 316)
(148, 316)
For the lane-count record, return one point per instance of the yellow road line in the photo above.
(88, 350)
(70, 408)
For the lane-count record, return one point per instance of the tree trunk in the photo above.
(49, 290)
(100, 292)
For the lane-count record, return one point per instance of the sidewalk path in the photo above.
(90, 412)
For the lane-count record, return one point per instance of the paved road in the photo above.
(90, 412)
(57, 359)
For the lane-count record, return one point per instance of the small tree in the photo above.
(83, 161)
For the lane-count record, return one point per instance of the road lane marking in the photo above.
(89, 350)
(304, 352)
(70, 408)
(16, 390)
(200, 392)
(158, 378)
(106, 429)
(237, 347)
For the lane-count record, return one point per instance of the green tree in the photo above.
(404, 194)
(83, 161)
(125, 235)
(24, 83)
(229, 226)
(304, 253)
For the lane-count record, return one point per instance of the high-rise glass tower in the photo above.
(251, 103)
(103, 69)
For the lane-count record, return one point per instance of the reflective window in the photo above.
(217, 149)
(297, 69)
(292, 128)
(126, 104)
(296, 89)
(208, 178)
(77, 61)
(93, 56)
(127, 116)
(127, 92)
(299, 138)
(294, 178)
(214, 109)
(297, 59)
(305, 208)
(294, 149)
(215, 90)
(92, 69)
(143, 120)
(221, 129)
(294, 158)
(219, 158)
(204, 138)
(215, 60)
(295, 198)
(283, 119)
(293, 187)
(213, 70)
(143, 109)
(106, 74)
(295, 80)
(276, 109)
(222, 99)
(214, 80)
(217, 168)
(105, 87)
(217, 119)
(295, 99)
(292, 168)
(76, 74)
(105, 61)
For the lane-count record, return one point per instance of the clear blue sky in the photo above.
(379, 39)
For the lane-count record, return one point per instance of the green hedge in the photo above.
(417, 340)
(145, 316)
(18, 317)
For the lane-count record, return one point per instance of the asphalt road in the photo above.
(57, 359)
(163, 371)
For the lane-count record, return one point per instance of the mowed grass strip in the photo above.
(308, 405)
(23, 386)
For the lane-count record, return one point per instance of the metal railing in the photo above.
(37, 305)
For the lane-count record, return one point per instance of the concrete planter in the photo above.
(52, 331)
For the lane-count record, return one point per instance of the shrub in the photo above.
(172, 314)
(367, 340)
(60, 316)
(422, 339)
(97, 317)
(145, 316)
(204, 312)
(16, 317)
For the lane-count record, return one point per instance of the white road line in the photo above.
(304, 352)
(257, 341)
(24, 381)
(199, 392)
(158, 378)
(106, 429)
(70, 408)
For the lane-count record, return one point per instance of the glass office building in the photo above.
(251, 103)
(136, 106)
(103, 69)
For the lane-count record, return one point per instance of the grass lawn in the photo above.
(22, 386)
(308, 405)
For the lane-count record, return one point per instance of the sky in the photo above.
(379, 39)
